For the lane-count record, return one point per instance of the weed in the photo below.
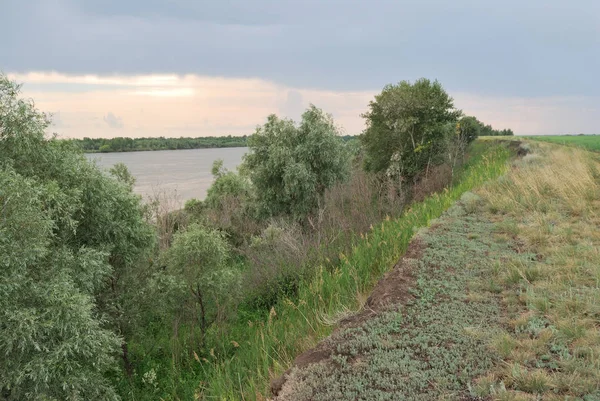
(549, 209)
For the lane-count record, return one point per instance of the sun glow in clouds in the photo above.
(191, 105)
(171, 105)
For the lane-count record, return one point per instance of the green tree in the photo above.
(227, 184)
(291, 165)
(121, 173)
(468, 129)
(52, 345)
(199, 257)
(105, 148)
(407, 127)
(63, 291)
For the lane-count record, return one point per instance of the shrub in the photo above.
(67, 231)
(277, 259)
(292, 165)
(407, 127)
(199, 257)
(194, 206)
(227, 184)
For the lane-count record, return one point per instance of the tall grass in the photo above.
(549, 208)
(250, 354)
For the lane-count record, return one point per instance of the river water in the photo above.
(181, 174)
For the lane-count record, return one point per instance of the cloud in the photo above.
(509, 48)
(215, 106)
(113, 121)
(534, 115)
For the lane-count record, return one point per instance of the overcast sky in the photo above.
(191, 68)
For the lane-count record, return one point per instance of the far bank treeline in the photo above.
(106, 297)
(123, 144)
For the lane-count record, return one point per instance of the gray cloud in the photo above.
(113, 121)
(510, 48)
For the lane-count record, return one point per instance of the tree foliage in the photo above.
(291, 165)
(470, 126)
(226, 184)
(121, 173)
(199, 257)
(66, 231)
(468, 129)
(406, 127)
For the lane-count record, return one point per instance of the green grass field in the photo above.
(589, 142)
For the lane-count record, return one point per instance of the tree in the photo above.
(407, 126)
(468, 129)
(227, 184)
(487, 130)
(291, 165)
(122, 174)
(199, 257)
(105, 148)
(69, 236)
(52, 343)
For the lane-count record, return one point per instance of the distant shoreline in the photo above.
(147, 144)
(160, 150)
(122, 144)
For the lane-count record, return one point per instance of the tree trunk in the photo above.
(202, 310)
(126, 361)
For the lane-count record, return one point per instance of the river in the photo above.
(181, 174)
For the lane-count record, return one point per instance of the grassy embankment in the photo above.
(506, 299)
(264, 349)
(549, 347)
(590, 142)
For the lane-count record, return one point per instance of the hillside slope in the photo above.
(498, 299)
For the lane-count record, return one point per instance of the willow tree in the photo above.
(71, 238)
(291, 165)
(407, 127)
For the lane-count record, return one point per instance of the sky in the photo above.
(136, 68)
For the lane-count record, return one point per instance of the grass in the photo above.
(507, 300)
(266, 347)
(589, 142)
(550, 342)
(432, 347)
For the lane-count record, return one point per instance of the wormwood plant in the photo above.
(430, 348)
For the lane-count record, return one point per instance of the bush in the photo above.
(407, 128)
(227, 184)
(292, 165)
(67, 231)
(199, 257)
(276, 260)
(194, 206)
